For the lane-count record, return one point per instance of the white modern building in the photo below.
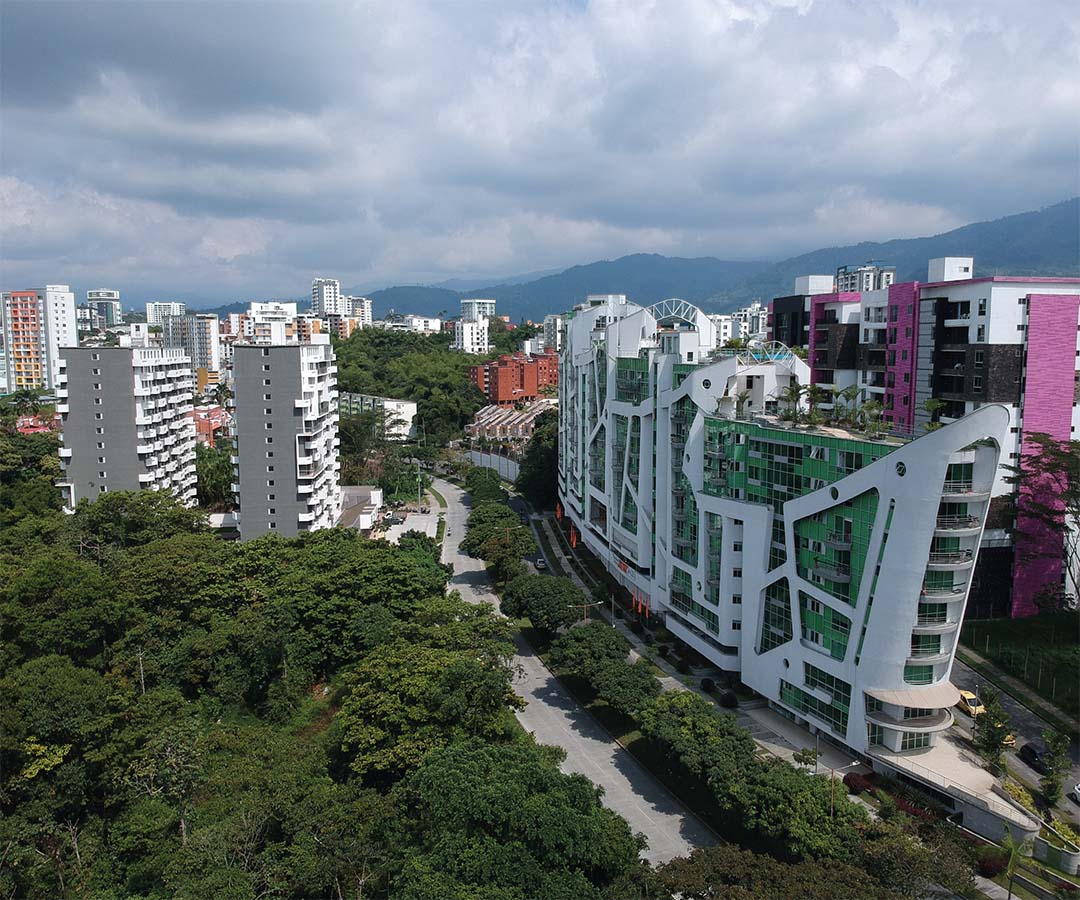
(423, 324)
(127, 422)
(106, 303)
(198, 335)
(34, 325)
(471, 337)
(157, 310)
(476, 308)
(326, 297)
(828, 568)
(553, 332)
(398, 416)
(359, 308)
(286, 460)
(867, 277)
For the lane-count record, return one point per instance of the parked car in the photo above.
(1074, 794)
(541, 564)
(970, 704)
(1009, 742)
(1035, 756)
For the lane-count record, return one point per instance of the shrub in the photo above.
(728, 700)
(683, 666)
(991, 860)
(857, 783)
(708, 685)
(664, 651)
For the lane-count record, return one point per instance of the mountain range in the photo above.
(1041, 242)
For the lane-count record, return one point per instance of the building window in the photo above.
(736, 573)
(101, 475)
(270, 468)
(736, 625)
(979, 355)
(976, 383)
(272, 511)
(97, 386)
(99, 430)
(266, 382)
(266, 397)
(271, 496)
(266, 368)
(736, 599)
(269, 453)
(980, 334)
(99, 416)
(95, 356)
(914, 741)
(273, 524)
(737, 547)
(95, 371)
(97, 401)
(982, 306)
(101, 459)
(269, 440)
(101, 445)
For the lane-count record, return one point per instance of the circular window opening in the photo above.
(834, 493)
(787, 665)
(901, 469)
(699, 585)
(706, 384)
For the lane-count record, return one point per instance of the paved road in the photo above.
(1026, 726)
(555, 718)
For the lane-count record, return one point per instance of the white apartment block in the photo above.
(198, 335)
(398, 416)
(286, 462)
(475, 308)
(126, 422)
(553, 332)
(326, 297)
(157, 310)
(867, 277)
(360, 308)
(830, 570)
(106, 303)
(725, 328)
(34, 325)
(471, 336)
(423, 324)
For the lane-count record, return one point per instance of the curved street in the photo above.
(557, 719)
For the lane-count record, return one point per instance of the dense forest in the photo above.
(186, 717)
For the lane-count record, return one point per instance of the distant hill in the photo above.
(1044, 242)
(644, 277)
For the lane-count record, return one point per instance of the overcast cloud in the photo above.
(234, 150)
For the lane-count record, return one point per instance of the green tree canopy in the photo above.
(585, 649)
(550, 603)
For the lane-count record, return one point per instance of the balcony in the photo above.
(678, 442)
(930, 625)
(955, 524)
(679, 515)
(922, 656)
(963, 490)
(838, 573)
(679, 540)
(939, 720)
(839, 540)
(949, 559)
(65, 453)
(716, 453)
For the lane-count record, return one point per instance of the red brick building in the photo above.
(517, 378)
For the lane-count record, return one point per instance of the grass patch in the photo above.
(1041, 651)
(439, 498)
(440, 530)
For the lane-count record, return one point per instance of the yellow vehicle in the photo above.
(970, 704)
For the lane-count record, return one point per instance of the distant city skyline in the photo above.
(153, 148)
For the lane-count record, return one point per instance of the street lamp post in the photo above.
(832, 783)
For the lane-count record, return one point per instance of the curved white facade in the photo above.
(829, 569)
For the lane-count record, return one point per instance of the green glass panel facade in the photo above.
(832, 546)
(776, 628)
(824, 626)
(631, 379)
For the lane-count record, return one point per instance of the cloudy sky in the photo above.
(233, 150)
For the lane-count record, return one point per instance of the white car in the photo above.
(1075, 793)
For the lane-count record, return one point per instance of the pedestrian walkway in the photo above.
(555, 718)
(1020, 690)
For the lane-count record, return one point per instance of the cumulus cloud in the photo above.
(228, 150)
